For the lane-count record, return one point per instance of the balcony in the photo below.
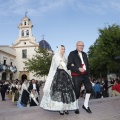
(8, 68)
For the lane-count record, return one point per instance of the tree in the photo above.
(40, 63)
(102, 54)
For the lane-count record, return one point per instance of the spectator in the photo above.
(105, 88)
(112, 81)
(93, 84)
(3, 90)
(116, 88)
(97, 90)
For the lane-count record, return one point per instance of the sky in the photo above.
(63, 22)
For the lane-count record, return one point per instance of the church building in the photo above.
(12, 57)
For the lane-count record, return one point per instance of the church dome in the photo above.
(44, 44)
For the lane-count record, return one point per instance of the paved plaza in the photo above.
(103, 109)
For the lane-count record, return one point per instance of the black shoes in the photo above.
(77, 111)
(87, 109)
(61, 112)
(66, 112)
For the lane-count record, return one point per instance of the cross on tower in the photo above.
(43, 37)
(26, 13)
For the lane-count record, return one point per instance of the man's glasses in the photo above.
(81, 45)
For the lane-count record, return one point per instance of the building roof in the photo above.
(44, 44)
(8, 50)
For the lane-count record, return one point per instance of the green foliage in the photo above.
(102, 54)
(40, 63)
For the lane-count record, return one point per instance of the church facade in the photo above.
(12, 58)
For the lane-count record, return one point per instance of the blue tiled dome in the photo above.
(44, 44)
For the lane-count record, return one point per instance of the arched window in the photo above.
(4, 76)
(27, 33)
(25, 23)
(22, 33)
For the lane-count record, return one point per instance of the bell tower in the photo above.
(25, 30)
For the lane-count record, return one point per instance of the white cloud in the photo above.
(38, 7)
(98, 6)
(34, 7)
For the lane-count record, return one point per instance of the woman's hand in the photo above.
(81, 69)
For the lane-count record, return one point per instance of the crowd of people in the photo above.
(14, 90)
(22, 93)
(103, 88)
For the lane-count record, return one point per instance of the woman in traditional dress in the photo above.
(10, 90)
(13, 88)
(58, 91)
(24, 95)
(17, 92)
(34, 98)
